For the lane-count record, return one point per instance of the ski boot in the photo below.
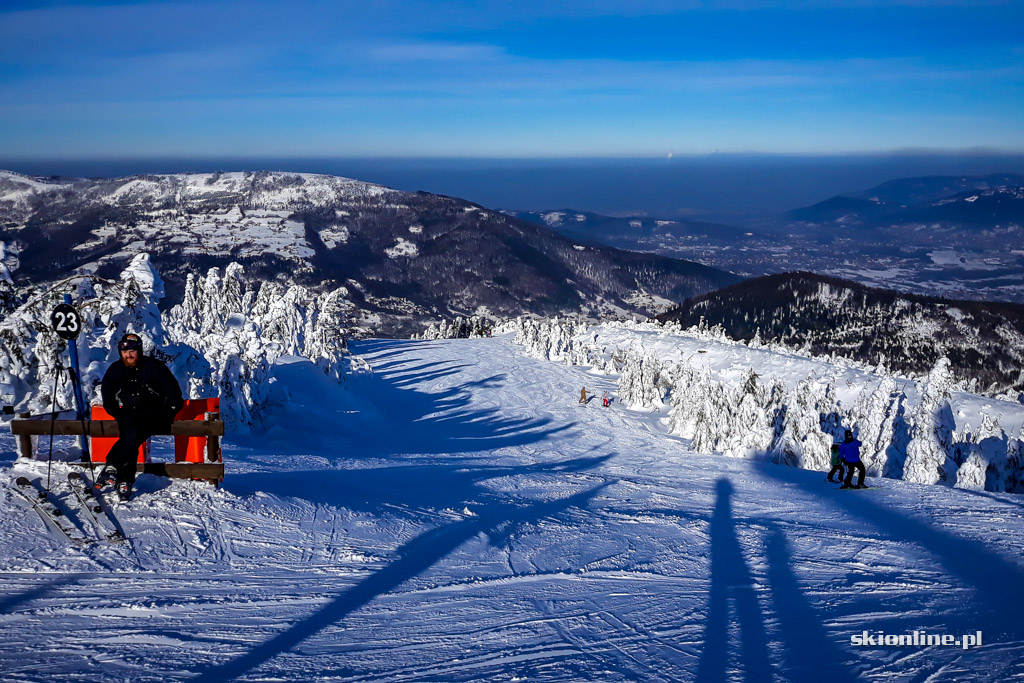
(124, 490)
(107, 476)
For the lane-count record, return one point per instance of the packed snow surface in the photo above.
(457, 515)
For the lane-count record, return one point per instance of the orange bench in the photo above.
(196, 429)
(186, 448)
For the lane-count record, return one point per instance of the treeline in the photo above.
(795, 425)
(904, 333)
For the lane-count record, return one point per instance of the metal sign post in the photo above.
(67, 323)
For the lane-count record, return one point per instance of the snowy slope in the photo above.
(457, 516)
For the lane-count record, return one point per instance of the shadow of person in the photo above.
(969, 561)
(809, 654)
(414, 558)
(731, 581)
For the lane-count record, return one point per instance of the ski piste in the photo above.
(93, 502)
(50, 512)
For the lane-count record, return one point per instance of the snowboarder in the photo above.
(850, 451)
(605, 401)
(837, 466)
(143, 396)
(583, 396)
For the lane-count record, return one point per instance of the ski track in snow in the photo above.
(467, 520)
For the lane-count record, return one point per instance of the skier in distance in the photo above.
(837, 466)
(583, 396)
(143, 396)
(850, 451)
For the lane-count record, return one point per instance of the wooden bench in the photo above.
(26, 426)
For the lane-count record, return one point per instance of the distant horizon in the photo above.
(451, 79)
(701, 187)
(936, 152)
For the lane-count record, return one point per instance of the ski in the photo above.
(92, 501)
(49, 512)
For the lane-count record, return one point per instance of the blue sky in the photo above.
(475, 79)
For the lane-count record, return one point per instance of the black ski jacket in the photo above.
(148, 392)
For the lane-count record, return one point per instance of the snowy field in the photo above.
(457, 516)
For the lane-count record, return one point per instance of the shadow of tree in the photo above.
(394, 418)
(414, 558)
(428, 485)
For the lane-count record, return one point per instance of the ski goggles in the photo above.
(129, 345)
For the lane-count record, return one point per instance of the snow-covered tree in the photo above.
(686, 388)
(640, 382)
(750, 431)
(874, 415)
(983, 466)
(711, 416)
(802, 443)
(928, 453)
(1014, 470)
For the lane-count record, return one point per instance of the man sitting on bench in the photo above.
(143, 396)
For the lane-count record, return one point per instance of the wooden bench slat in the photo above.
(108, 428)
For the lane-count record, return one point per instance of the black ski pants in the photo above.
(123, 456)
(858, 466)
(836, 469)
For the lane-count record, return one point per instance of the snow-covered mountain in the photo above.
(952, 236)
(405, 258)
(456, 515)
(972, 202)
(984, 342)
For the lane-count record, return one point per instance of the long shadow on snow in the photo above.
(809, 654)
(428, 485)
(414, 558)
(999, 498)
(731, 579)
(38, 591)
(391, 418)
(971, 562)
(441, 422)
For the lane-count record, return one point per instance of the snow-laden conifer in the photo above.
(749, 432)
(640, 382)
(983, 467)
(709, 419)
(874, 415)
(928, 453)
(802, 442)
(1013, 477)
